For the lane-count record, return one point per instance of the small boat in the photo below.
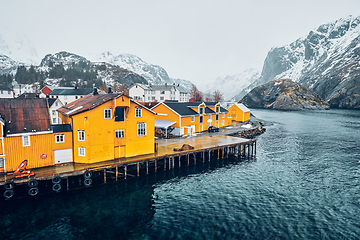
(21, 171)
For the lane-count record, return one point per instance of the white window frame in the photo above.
(141, 129)
(223, 122)
(107, 113)
(81, 151)
(119, 133)
(26, 141)
(192, 118)
(81, 135)
(59, 138)
(138, 112)
(223, 115)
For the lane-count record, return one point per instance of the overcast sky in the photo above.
(193, 40)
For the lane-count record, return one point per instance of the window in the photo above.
(53, 112)
(192, 118)
(138, 112)
(2, 162)
(223, 115)
(76, 97)
(152, 98)
(81, 135)
(2, 91)
(162, 92)
(26, 141)
(9, 92)
(119, 133)
(217, 109)
(201, 119)
(107, 113)
(209, 116)
(56, 103)
(59, 138)
(141, 129)
(81, 151)
(119, 114)
(161, 98)
(223, 122)
(54, 120)
(201, 110)
(217, 117)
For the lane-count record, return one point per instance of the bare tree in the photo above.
(196, 94)
(218, 96)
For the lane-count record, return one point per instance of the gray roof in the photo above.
(184, 108)
(3, 87)
(71, 91)
(161, 87)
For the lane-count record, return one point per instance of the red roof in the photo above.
(25, 115)
(46, 90)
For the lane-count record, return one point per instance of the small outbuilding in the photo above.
(239, 112)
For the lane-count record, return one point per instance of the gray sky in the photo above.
(193, 40)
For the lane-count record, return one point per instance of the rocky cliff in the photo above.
(326, 61)
(283, 95)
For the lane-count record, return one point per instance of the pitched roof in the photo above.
(3, 87)
(25, 115)
(71, 91)
(86, 103)
(184, 108)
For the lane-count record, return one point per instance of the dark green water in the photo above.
(303, 184)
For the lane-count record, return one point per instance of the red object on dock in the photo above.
(21, 171)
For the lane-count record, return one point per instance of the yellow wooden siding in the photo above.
(100, 143)
(170, 115)
(238, 115)
(39, 144)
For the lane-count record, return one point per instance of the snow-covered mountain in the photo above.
(326, 61)
(154, 74)
(62, 57)
(230, 85)
(17, 47)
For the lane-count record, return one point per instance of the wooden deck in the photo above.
(204, 146)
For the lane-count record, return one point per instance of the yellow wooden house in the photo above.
(109, 126)
(239, 112)
(26, 133)
(192, 117)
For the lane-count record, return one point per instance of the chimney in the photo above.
(109, 90)
(95, 92)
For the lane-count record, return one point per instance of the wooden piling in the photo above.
(105, 175)
(125, 171)
(138, 169)
(116, 172)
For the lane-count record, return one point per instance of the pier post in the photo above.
(116, 172)
(255, 147)
(125, 171)
(155, 165)
(173, 162)
(105, 175)
(67, 183)
(179, 161)
(138, 169)
(203, 156)
(218, 152)
(188, 160)
(194, 158)
(147, 167)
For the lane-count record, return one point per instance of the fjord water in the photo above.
(302, 184)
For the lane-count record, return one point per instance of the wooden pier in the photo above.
(72, 176)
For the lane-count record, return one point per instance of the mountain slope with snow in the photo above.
(326, 61)
(154, 74)
(230, 86)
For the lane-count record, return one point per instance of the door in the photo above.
(63, 156)
(119, 151)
